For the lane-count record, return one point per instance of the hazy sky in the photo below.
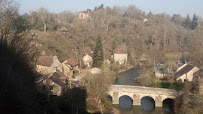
(182, 7)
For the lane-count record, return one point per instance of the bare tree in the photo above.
(44, 16)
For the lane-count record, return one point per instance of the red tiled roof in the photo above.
(45, 61)
(72, 62)
(184, 70)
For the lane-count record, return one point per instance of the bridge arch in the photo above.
(109, 98)
(147, 103)
(168, 105)
(125, 102)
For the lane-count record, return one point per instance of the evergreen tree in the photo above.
(98, 57)
(187, 22)
(194, 22)
(173, 17)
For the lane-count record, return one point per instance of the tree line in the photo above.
(120, 28)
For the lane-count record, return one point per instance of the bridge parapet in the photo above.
(143, 90)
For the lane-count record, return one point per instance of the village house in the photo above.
(185, 73)
(120, 57)
(70, 66)
(84, 14)
(48, 65)
(54, 83)
(87, 60)
(64, 30)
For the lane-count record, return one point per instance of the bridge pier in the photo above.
(136, 100)
(115, 99)
(158, 101)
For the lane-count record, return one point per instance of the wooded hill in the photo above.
(121, 29)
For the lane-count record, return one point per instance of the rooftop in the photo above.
(184, 70)
(45, 61)
(72, 62)
(58, 78)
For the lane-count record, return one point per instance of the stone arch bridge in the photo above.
(139, 92)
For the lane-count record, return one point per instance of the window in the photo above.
(51, 87)
(185, 80)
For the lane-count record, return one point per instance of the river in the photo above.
(129, 77)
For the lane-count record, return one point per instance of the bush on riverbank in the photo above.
(107, 103)
(169, 85)
(147, 77)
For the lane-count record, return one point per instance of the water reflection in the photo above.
(125, 102)
(168, 105)
(137, 110)
(147, 104)
(128, 77)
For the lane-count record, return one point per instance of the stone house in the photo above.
(73, 63)
(70, 66)
(87, 60)
(185, 73)
(54, 83)
(120, 57)
(48, 65)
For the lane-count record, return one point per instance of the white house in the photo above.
(185, 72)
(87, 60)
(120, 57)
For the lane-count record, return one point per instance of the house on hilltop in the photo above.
(48, 65)
(121, 57)
(55, 83)
(84, 14)
(185, 73)
(64, 30)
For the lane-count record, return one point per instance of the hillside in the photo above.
(121, 29)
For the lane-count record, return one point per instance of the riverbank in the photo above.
(128, 76)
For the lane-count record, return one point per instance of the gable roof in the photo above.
(58, 78)
(45, 61)
(72, 62)
(184, 70)
(64, 29)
